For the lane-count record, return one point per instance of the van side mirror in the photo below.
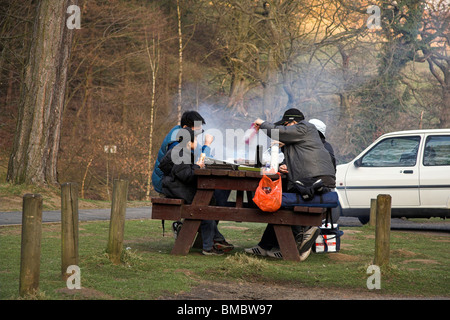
(358, 163)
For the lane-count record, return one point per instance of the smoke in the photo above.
(229, 133)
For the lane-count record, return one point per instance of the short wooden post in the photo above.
(69, 227)
(383, 230)
(117, 221)
(373, 212)
(30, 255)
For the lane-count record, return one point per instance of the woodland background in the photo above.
(135, 65)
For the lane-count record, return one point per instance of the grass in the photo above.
(419, 263)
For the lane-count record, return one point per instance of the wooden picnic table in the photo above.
(241, 181)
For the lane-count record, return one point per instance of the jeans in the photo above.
(210, 232)
(221, 197)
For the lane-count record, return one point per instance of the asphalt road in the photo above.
(15, 218)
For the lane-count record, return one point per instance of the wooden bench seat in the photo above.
(166, 208)
(169, 201)
(175, 209)
(282, 220)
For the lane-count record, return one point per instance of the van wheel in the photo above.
(364, 219)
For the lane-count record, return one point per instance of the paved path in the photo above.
(402, 224)
(15, 218)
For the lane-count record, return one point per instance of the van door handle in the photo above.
(408, 171)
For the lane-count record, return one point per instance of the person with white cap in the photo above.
(322, 128)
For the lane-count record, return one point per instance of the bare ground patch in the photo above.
(424, 261)
(342, 257)
(208, 290)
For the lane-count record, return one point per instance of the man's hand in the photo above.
(283, 168)
(201, 163)
(275, 142)
(258, 122)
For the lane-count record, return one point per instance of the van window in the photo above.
(393, 152)
(437, 151)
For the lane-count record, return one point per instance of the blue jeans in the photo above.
(210, 232)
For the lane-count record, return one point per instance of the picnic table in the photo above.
(202, 208)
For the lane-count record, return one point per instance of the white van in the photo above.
(412, 166)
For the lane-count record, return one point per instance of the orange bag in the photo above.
(268, 194)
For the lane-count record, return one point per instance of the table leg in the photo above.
(203, 197)
(286, 241)
(186, 237)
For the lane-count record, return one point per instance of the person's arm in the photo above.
(286, 134)
(166, 164)
(206, 149)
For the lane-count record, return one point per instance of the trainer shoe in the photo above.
(309, 238)
(223, 246)
(212, 252)
(176, 227)
(305, 255)
(275, 253)
(257, 250)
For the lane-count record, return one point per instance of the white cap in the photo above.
(319, 125)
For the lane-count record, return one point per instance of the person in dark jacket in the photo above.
(189, 119)
(178, 167)
(180, 182)
(306, 159)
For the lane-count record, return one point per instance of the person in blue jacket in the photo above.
(180, 182)
(189, 119)
(194, 121)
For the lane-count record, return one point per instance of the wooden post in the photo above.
(373, 212)
(69, 227)
(383, 230)
(30, 255)
(117, 221)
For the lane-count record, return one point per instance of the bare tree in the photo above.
(154, 60)
(180, 60)
(436, 36)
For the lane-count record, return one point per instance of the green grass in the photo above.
(419, 263)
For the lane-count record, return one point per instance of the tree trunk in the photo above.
(180, 52)
(445, 115)
(36, 143)
(153, 59)
(239, 87)
(344, 96)
(444, 81)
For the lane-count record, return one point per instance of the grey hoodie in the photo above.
(304, 153)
